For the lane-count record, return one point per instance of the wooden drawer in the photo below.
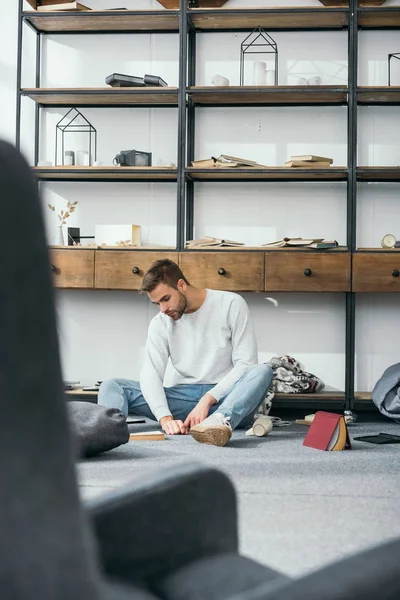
(72, 268)
(376, 272)
(232, 270)
(124, 269)
(307, 271)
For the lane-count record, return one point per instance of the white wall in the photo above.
(102, 334)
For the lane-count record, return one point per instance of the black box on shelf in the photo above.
(74, 235)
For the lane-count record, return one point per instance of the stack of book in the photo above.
(212, 242)
(225, 161)
(316, 243)
(309, 161)
(56, 5)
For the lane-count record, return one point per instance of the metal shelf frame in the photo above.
(188, 22)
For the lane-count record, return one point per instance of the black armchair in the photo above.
(174, 536)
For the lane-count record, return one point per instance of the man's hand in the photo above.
(200, 411)
(172, 427)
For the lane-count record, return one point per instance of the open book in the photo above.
(207, 241)
(225, 161)
(319, 243)
(328, 431)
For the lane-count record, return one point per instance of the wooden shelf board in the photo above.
(272, 18)
(364, 396)
(106, 173)
(103, 96)
(334, 395)
(385, 17)
(268, 174)
(378, 173)
(81, 392)
(137, 248)
(104, 21)
(253, 95)
(264, 249)
(372, 95)
(378, 249)
(55, 247)
(129, 248)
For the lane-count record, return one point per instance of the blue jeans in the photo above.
(239, 404)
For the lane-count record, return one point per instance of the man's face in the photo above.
(171, 302)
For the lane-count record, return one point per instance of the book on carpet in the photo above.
(308, 164)
(147, 436)
(208, 241)
(70, 6)
(328, 431)
(312, 158)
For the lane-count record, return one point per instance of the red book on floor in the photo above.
(328, 431)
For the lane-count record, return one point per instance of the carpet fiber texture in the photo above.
(299, 508)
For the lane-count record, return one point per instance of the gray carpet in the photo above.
(299, 508)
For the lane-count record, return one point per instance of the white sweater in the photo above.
(213, 345)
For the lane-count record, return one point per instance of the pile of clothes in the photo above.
(289, 378)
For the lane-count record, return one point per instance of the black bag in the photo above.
(96, 428)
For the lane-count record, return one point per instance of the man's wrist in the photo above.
(210, 399)
(164, 420)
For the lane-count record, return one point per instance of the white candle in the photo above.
(259, 72)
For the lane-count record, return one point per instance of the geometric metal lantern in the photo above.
(73, 123)
(390, 56)
(258, 42)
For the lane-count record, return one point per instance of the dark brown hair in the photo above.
(162, 271)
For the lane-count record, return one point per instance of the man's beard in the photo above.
(176, 313)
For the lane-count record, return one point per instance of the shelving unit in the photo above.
(106, 174)
(268, 174)
(319, 95)
(110, 21)
(104, 97)
(187, 97)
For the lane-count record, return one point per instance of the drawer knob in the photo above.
(395, 273)
(135, 270)
(307, 272)
(55, 269)
(221, 271)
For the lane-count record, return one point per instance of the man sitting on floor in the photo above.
(209, 338)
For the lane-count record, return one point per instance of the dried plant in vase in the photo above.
(62, 233)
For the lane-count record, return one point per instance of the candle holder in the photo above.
(74, 123)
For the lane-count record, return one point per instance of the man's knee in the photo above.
(263, 374)
(107, 388)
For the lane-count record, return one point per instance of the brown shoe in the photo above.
(214, 430)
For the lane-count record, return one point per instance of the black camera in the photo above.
(133, 158)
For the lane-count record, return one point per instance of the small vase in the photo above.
(61, 236)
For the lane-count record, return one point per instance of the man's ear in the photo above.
(182, 285)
